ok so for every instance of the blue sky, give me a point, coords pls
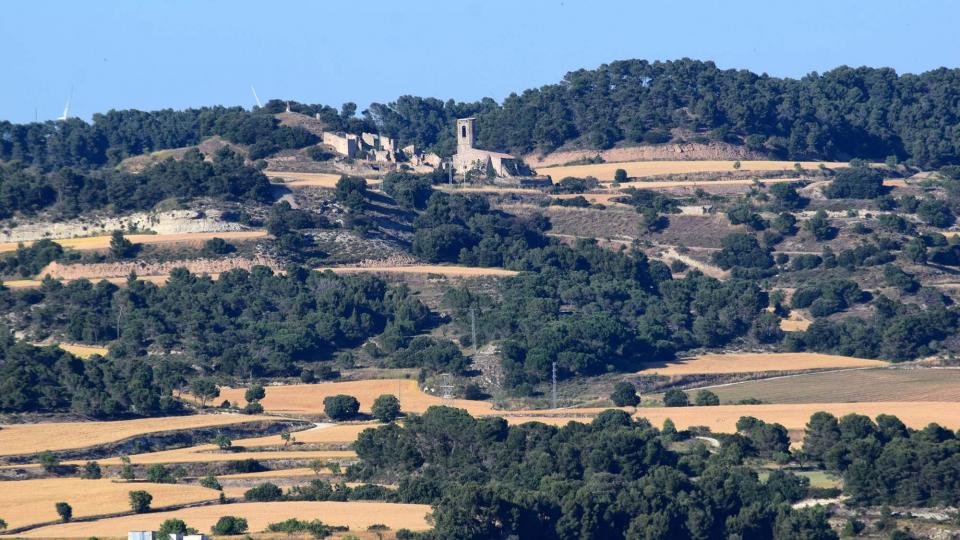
(150, 55)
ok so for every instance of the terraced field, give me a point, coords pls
(850, 386)
(308, 398)
(443, 270)
(640, 169)
(303, 179)
(93, 243)
(757, 362)
(18, 439)
(355, 514)
(28, 502)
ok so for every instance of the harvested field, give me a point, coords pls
(308, 398)
(304, 179)
(118, 281)
(640, 169)
(723, 418)
(208, 453)
(27, 502)
(18, 439)
(443, 270)
(850, 386)
(284, 473)
(93, 243)
(82, 351)
(355, 514)
(795, 323)
(757, 362)
(322, 434)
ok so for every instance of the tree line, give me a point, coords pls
(845, 112)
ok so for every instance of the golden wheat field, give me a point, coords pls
(79, 350)
(640, 169)
(443, 270)
(27, 502)
(308, 398)
(757, 362)
(304, 179)
(723, 418)
(355, 514)
(18, 439)
(103, 242)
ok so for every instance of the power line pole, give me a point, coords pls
(473, 330)
(554, 385)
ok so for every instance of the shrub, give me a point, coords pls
(210, 482)
(229, 526)
(742, 250)
(174, 526)
(341, 407)
(217, 246)
(706, 398)
(386, 408)
(140, 501)
(625, 395)
(620, 176)
(91, 471)
(472, 391)
(49, 461)
(253, 408)
(855, 183)
(159, 474)
(246, 466)
(819, 226)
(676, 398)
(254, 393)
(264, 492)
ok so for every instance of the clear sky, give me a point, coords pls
(178, 53)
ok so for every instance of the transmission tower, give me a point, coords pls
(446, 387)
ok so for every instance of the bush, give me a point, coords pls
(264, 492)
(253, 408)
(855, 183)
(676, 398)
(159, 474)
(217, 246)
(91, 471)
(351, 191)
(254, 393)
(229, 526)
(620, 176)
(819, 226)
(386, 408)
(341, 407)
(210, 482)
(935, 213)
(140, 501)
(174, 526)
(742, 250)
(249, 465)
(472, 391)
(706, 398)
(625, 395)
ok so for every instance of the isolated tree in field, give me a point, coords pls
(120, 247)
(174, 526)
(620, 176)
(3, 525)
(676, 398)
(91, 471)
(64, 510)
(210, 482)
(264, 492)
(158, 473)
(386, 408)
(140, 501)
(127, 472)
(204, 389)
(254, 393)
(706, 398)
(625, 395)
(341, 407)
(217, 246)
(229, 525)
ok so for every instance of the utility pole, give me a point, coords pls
(554, 385)
(473, 330)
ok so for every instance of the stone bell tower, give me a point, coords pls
(464, 134)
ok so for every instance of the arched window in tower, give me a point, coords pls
(463, 132)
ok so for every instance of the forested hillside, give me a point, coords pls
(843, 113)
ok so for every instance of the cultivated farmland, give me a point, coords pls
(18, 439)
(850, 386)
(640, 169)
(93, 243)
(355, 514)
(443, 270)
(27, 502)
(306, 179)
(757, 362)
(308, 398)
